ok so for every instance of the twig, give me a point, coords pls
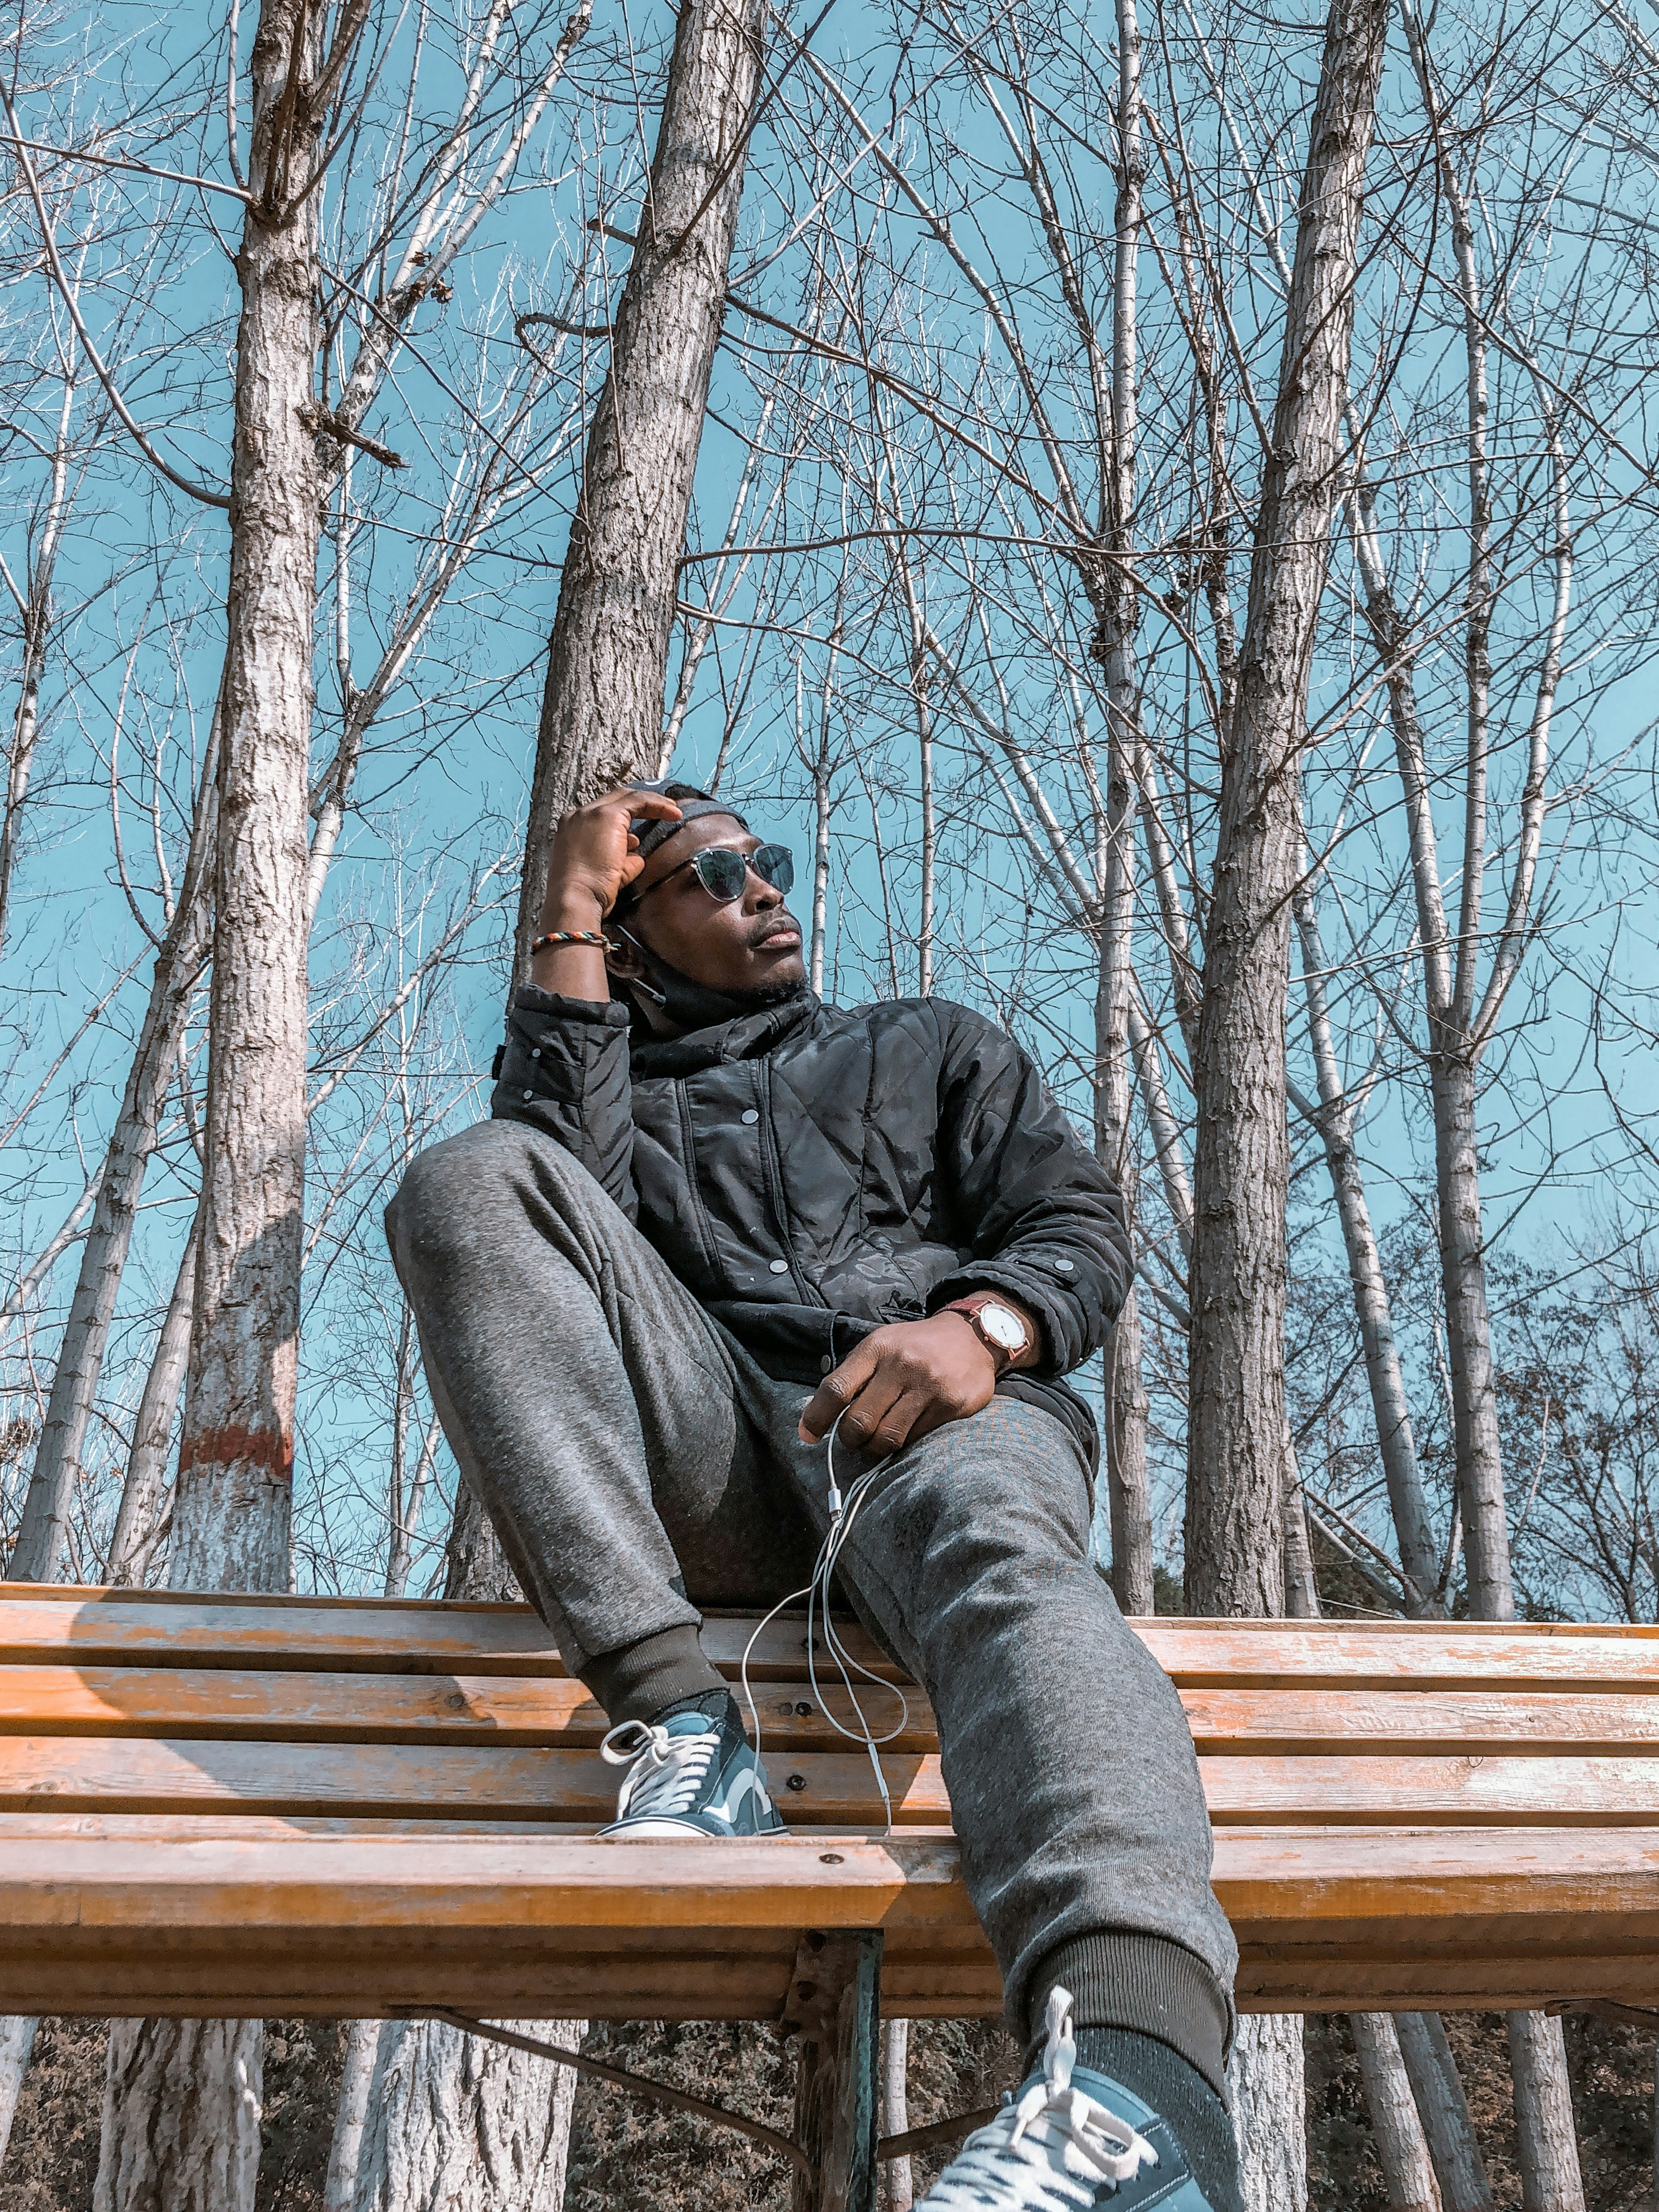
(220, 500)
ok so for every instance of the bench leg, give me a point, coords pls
(836, 2008)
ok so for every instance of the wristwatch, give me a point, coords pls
(1005, 1334)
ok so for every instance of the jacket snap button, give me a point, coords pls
(826, 1365)
(529, 1094)
(1062, 1266)
(751, 1118)
(780, 1267)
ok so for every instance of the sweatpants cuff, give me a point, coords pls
(1120, 1979)
(635, 1682)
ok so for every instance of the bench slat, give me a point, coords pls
(411, 1782)
(511, 1925)
(499, 1709)
(238, 1702)
(149, 1628)
(61, 1624)
(551, 1710)
(1300, 1723)
(415, 1782)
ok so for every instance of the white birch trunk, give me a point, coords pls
(1266, 2078)
(1402, 2146)
(1117, 615)
(602, 712)
(1301, 1581)
(1438, 2089)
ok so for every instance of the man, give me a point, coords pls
(713, 1221)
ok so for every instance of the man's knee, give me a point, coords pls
(1013, 1468)
(449, 1191)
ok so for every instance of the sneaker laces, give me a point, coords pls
(666, 1771)
(1049, 2149)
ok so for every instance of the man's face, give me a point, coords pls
(743, 944)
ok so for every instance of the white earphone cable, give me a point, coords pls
(843, 1514)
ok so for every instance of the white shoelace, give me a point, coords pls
(1050, 2151)
(666, 1771)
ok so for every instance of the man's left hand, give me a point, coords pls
(902, 1382)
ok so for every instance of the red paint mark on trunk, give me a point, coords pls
(239, 1447)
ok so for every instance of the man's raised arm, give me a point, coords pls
(565, 1064)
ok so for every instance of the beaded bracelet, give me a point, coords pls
(572, 936)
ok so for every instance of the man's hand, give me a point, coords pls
(901, 1384)
(594, 858)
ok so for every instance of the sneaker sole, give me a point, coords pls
(659, 1832)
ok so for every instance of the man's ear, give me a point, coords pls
(625, 963)
(622, 960)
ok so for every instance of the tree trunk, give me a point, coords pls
(235, 1462)
(17, 2044)
(1469, 1332)
(139, 1520)
(1236, 1424)
(1438, 2090)
(362, 2049)
(1266, 2076)
(43, 1535)
(1402, 2146)
(449, 2124)
(602, 711)
(183, 2101)
(181, 2104)
(1127, 1410)
(1129, 1494)
(455, 2124)
(896, 2109)
(1550, 2177)
(1301, 1579)
(1390, 1407)
(47, 533)
(1236, 1461)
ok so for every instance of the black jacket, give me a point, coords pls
(809, 1173)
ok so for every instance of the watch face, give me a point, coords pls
(1003, 1328)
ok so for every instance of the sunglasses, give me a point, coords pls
(723, 872)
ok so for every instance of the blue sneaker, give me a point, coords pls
(688, 1776)
(1070, 2141)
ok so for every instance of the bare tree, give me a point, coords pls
(602, 712)
(1235, 1441)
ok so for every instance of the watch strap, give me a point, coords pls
(971, 1308)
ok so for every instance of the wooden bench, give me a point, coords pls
(248, 1806)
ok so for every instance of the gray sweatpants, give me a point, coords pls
(637, 1462)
